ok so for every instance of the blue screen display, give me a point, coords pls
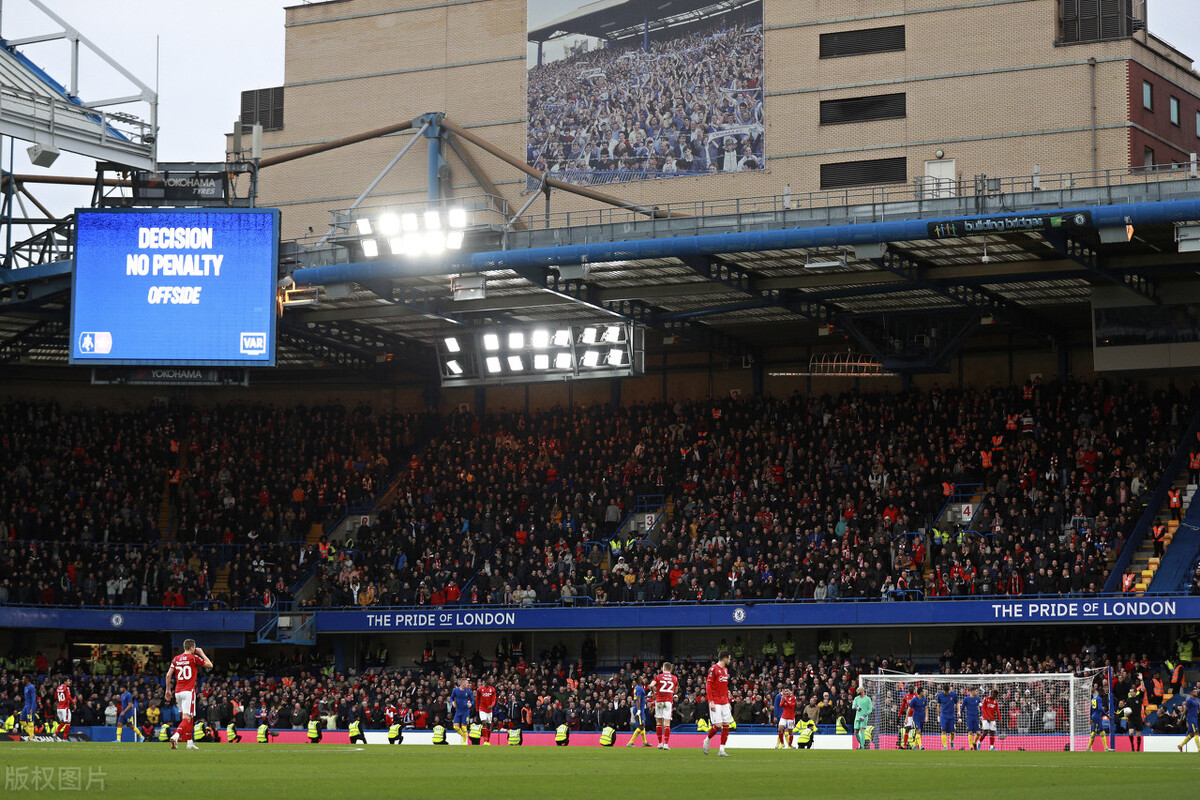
(175, 287)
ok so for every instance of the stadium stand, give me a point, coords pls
(147, 506)
(551, 688)
(753, 515)
(797, 498)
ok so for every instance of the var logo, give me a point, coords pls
(254, 344)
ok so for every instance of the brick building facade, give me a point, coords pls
(919, 92)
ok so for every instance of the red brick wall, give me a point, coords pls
(1180, 140)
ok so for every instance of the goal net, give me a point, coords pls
(1043, 711)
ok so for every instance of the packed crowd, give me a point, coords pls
(84, 475)
(543, 690)
(686, 105)
(809, 498)
(802, 498)
(1066, 480)
(253, 472)
(167, 574)
(84, 490)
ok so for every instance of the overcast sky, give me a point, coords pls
(211, 50)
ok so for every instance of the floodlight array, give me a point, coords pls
(412, 235)
(540, 352)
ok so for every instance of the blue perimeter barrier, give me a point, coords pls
(804, 614)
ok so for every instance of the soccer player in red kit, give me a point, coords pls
(906, 718)
(787, 716)
(182, 673)
(990, 711)
(720, 713)
(665, 686)
(65, 703)
(485, 701)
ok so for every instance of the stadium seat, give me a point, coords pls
(1140, 587)
(1147, 576)
(1172, 526)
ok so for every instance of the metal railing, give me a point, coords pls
(586, 600)
(965, 193)
(482, 209)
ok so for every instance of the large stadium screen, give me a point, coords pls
(175, 287)
(627, 91)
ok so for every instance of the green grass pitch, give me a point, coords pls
(298, 771)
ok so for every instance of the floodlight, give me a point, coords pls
(562, 361)
(409, 222)
(493, 364)
(433, 220)
(454, 240)
(540, 339)
(389, 224)
(370, 248)
(364, 226)
(515, 363)
(562, 337)
(454, 367)
(612, 334)
(591, 358)
(452, 344)
(516, 340)
(397, 245)
(615, 357)
(435, 242)
(491, 341)
(589, 335)
(414, 244)
(541, 361)
(457, 218)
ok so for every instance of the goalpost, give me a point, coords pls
(1040, 711)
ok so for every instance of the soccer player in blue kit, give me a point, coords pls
(640, 712)
(1097, 716)
(918, 704)
(970, 709)
(947, 700)
(463, 699)
(30, 708)
(1192, 706)
(128, 716)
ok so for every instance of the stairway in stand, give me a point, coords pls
(164, 512)
(221, 582)
(168, 525)
(1144, 564)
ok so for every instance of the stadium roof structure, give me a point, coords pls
(37, 108)
(604, 18)
(905, 274)
(902, 280)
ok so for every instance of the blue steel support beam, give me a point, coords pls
(433, 134)
(909, 360)
(640, 312)
(914, 270)
(1165, 211)
(1086, 255)
(711, 312)
(740, 280)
